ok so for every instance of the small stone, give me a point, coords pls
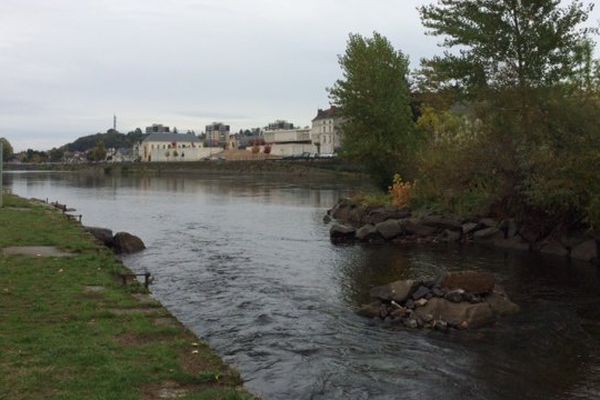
(438, 292)
(464, 325)
(421, 302)
(410, 304)
(420, 293)
(427, 318)
(441, 326)
(455, 296)
(383, 311)
(411, 323)
(399, 313)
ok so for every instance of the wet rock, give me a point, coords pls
(390, 229)
(529, 234)
(427, 318)
(411, 323)
(451, 236)
(501, 305)
(487, 234)
(438, 292)
(586, 251)
(342, 233)
(327, 219)
(511, 228)
(421, 292)
(367, 233)
(383, 311)
(410, 304)
(399, 313)
(440, 325)
(489, 222)
(455, 296)
(515, 243)
(553, 247)
(103, 235)
(126, 243)
(470, 281)
(421, 303)
(397, 291)
(471, 315)
(470, 227)
(413, 227)
(442, 222)
(370, 310)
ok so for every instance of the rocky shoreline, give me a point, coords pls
(355, 223)
(457, 300)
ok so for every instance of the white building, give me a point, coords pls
(289, 142)
(217, 134)
(166, 147)
(326, 134)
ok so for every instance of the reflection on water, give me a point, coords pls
(247, 265)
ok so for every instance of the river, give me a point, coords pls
(246, 264)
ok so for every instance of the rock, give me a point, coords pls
(470, 227)
(126, 243)
(327, 219)
(103, 235)
(513, 243)
(427, 318)
(342, 233)
(410, 304)
(512, 229)
(399, 313)
(411, 323)
(367, 233)
(470, 281)
(529, 234)
(586, 251)
(501, 305)
(487, 234)
(421, 302)
(438, 292)
(489, 222)
(442, 222)
(455, 296)
(440, 325)
(397, 291)
(451, 236)
(421, 292)
(370, 310)
(415, 228)
(465, 314)
(383, 311)
(553, 247)
(383, 214)
(390, 229)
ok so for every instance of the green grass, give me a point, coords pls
(58, 341)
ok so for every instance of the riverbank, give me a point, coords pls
(314, 169)
(70, 330)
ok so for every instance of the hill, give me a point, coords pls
(110, 139)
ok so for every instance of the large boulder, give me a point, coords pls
(103, 235)
(382, 214)
(488, 234)
(126, 243)
(415, 227)
(501, 305)
(397, 291)
(367, 233)
(342, 233)
(390, 229)
(470, 281)
(553, 248)
(586, 251)
(464, 315)
(442, 222)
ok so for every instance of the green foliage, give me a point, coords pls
(56, 155)
(7, 149)
(374, 99)
(98, 153)
(504, 43)
(110, 139)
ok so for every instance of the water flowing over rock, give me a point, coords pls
(126, 243)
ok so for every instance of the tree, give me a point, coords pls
(56, 155)
(374, 99)
(505, 43)
(98, 153)
(7, 150)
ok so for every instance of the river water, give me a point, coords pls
(246, 264)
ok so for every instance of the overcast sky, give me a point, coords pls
(67, 65)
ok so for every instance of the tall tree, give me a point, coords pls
(374, 99)
(505, 43)
(7, 150)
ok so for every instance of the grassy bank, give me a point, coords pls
(69, 330)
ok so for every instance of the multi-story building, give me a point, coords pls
(289, 142)
(279, 124)
(326, 134)
(163, 147)
(158, 128)
(217, 134)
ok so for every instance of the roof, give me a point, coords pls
(172, 137)
(326, 114)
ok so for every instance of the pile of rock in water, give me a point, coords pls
(456, 300)
(357, 223)
(120, 243)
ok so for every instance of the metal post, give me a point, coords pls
(1, 170)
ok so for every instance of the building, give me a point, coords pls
(158, 128)
(217, 134)
(166, 147)
(289, 142)
(280, 125)
(326, 134)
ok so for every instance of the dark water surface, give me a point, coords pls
(247, 265)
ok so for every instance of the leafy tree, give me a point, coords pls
(505, 43)
(374, 99)
(7, 150)
(56, 155)
(98, 153)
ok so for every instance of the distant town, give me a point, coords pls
(161, 143)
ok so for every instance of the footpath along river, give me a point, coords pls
(246, 263)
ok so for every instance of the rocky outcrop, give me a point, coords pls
(357, 223)
(457, 300)
(126, 243)
(103, 235)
